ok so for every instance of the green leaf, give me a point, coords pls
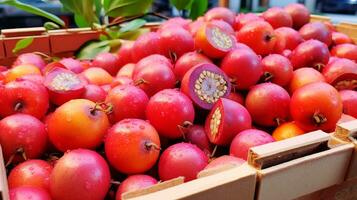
(33, 10)
(182, 4)
(125, 8)
(93, 48)
(198, 8)
(84, 11)
(133, 25)
(103, 37)
(22, 44)
(133, 35)
(51, 26)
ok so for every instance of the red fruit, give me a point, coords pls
(243, 141)
(345, 51)
(225, 160)
(278, 17)
(287, 130)
(318, 31)
(311, 53)
(243, 19)
(106, 88)
(107, 61)
(341, 73)
(223, 26)
(23, 97)
(286, 53)
(243, 68)
(205, 84)
(52, 65)
(30, 58)
(173, 107)
(220, 13)
(188, 61)
(299, 13)
(182, 159)
(237, 97)
(36, 78)
(79, 123)
(304, 76)
(127, 70)
(72, 64)
(63, 85)
(154, 59)
(340, 38)
(22, 137)
(214, 41)
(135, 141)
(128, 101)
(291, 37)
(80, 174)
(121, 80)
(196, 135)
(277, 69)
(154, 77)
(147, 44)
(259, 36)
(177, 22)
(94, 93)
(134, 182)
(19, 71)
(349, 100)
(316, 106)
(195, 25)
(31, 173)
(125, 54)
(28, 193)
(268, 104)
(97, 76)
(225, 120)
(170, 38)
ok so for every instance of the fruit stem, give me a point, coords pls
(18, 151)
(214, 151)
(113, 182)
(140, 81)
(319, 118)
(47, 57)
(102, 106)
(268, 37)
(173, 56)
(267, 76)
(278, 121)
(185, 125)
(150, 145)
(319, 67)
(18, 106)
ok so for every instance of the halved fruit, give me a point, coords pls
(205, 84)
(226, 119)
(63, 85)
(341, 73)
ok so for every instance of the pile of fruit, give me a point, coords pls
(190, 96)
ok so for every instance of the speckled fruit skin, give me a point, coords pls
(247, 139)
(299, 14)
(134, 182)
(235, 118)
(278, 17)
(182, 159)
(147, 44)
(196, 135)
(345, 51)
(220, 13)
(92, 176)
(291, 37)
(225, 160)
(277, 69)
(172, 107)
(28, 193)
(318, 31)
(349, 100)
(107, 61)
(72, 64)
(94, 93)
(30, 58)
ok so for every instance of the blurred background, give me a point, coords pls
(338, 10)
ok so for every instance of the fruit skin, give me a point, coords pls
(341, 38)
(287, 130)
(147, 44)
(299, 14)
(247, 139)
(243, 19)
(94, 93)
(76, 124)
(318, 31)
(278, 17)
(91, 172)
(126, 70)
(237, 97)
(304, 76)
(220, 13)
(170, 38)
(107, 61)
(182, 159)
(24, 97)
(311, 53)
(316, 106)
(124, 54)
(336, 70)
(225, 160)
(31, 173)
(172, 107)
(177, 22)
(97, 76)
(196, 135)
(235, 118)
(345, 51)
(121, 80)
(22, 133)
(72, 64)
(28, 193)
(349, 100)
(259, 36)
(128, 101)
(292, 37)
(243, 67)
(277, 69)
(204, 41)
(19, 71)
(224, 26)
(268, 104)
(188, 61)
(135, 141)
(30, 58)
(134, 182)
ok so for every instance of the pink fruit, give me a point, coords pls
(349, 100)
(341, 73)
(196, 135)
(277, 69)
(340, 38)
(299, 14)
(107, 61)
(94, 93)
(225, 160)
(127, 70)
(345, 51)
(243, 19)
(30, 58)
(291, 37)
(121, 80)
(124, 54)
(134, 182)
(147, 44)
(188, 61)
(317, 31)
(220, 13)
(277, 17)
(247, 139)
(28, 193)
(72, 64)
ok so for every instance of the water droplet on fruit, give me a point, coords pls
(142, 127)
